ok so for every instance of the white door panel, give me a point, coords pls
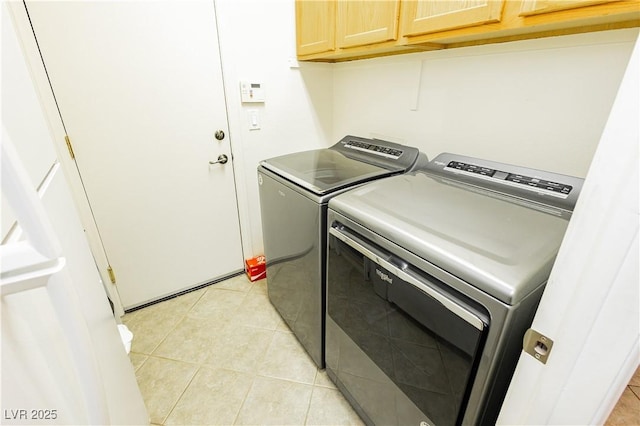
(21, 116)
(140, 92)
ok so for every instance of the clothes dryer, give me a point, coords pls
(433, 279)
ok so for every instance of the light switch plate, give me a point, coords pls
(254, 119)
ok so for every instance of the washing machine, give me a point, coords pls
(433, 278)
(294, 192)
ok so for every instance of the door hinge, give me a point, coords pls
(112, 275)
(69, 147)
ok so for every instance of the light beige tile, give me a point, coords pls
(328, 407)
(240, 348)
(137, 360)
(635, 380)
(161, 383)
(227, 337)
(214, 397)
(259, 286)
(322, 379)
(626, 411)
(237, 283)
(257, 311)
(218, 304)
(183, 303)
(286, 359)
(284, 328)
(191, 340)
(275, 402)
(151, 325)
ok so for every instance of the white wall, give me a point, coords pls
(257, 41)
(538, 103)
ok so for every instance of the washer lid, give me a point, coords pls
(324, 170)
(502, 245)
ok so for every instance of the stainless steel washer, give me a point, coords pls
(294, 191)
(433, 278)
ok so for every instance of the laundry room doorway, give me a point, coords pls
(139, 88)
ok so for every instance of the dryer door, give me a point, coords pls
(402, 345)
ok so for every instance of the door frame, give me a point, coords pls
(38, 72)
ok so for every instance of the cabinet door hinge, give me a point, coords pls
(69, 147)
(112, 275)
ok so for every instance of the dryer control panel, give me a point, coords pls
(532, 184)
(528, 182)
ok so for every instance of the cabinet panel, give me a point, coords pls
(366, 22)
(428, 16)
(534, 7)
(340, 30)
(315, 29)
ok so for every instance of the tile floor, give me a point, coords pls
(627, 410)
(223, 355)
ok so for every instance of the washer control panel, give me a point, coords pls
(372, 148)
(386, 154)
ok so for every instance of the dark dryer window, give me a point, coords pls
(425, 349)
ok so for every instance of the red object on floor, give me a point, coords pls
(256, 268)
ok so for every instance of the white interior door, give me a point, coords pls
(139, 88)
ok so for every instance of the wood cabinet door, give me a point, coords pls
(534, 7)
(315, 26)
(428, 16)
(366, 22)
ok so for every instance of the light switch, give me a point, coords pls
(254, 122)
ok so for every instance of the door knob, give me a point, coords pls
(219, 135)
(222, 159)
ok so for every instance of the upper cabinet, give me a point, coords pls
(335, 30)
(338, 30)
(532, 7)
(315, 26)
(359, 23)
(429, 16)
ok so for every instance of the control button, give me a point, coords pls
(374, 149)
(540, 183)
(471, 168)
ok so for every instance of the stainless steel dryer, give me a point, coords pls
(294, 191)
(433, 279)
